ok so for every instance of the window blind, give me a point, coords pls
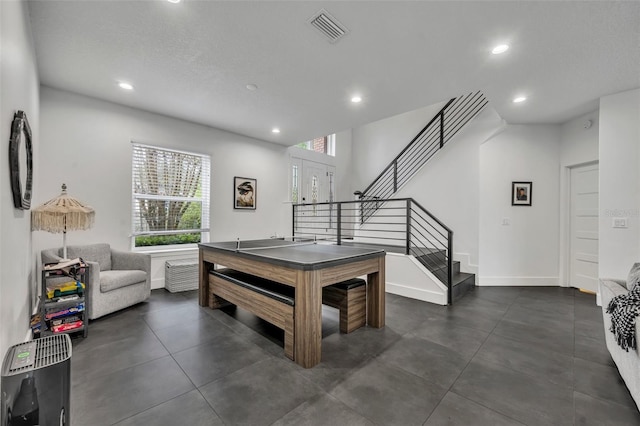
(170, 195)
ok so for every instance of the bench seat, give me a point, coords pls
(350, 297)
(271, 301)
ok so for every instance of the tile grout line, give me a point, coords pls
(181, 369)
(467, 366)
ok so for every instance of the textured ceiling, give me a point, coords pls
(193, 60)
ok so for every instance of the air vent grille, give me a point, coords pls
(329, 26)
(52, 350)
(48, 351)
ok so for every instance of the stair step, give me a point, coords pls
(439, 268)
(434, 260)
(429, 253)
(462, 284)
(461, 277)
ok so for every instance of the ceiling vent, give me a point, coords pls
(329, 26)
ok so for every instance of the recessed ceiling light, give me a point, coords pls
(251, 86)
(125, 86)
(519, 99)
(275, 130)
(501, 48)
(356, 99)
(174, 1)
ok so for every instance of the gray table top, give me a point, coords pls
(303, 255)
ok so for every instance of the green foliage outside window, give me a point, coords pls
(164, 240)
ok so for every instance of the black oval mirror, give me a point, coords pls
(21, 153)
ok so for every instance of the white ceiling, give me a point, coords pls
(193, 60)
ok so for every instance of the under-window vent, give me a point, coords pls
(332, 29)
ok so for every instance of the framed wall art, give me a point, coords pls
(521, 193)
(244, 193)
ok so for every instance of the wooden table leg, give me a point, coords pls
(376, 296)
(203, 281)
(308, 320)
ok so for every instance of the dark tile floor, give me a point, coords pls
(500, 356)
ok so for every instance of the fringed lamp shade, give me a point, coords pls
(62, 214)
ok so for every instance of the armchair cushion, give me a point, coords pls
(126, 260)
(100, 253)
(112, 280)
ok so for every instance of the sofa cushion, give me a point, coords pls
(634, 276)
(112, 280)
(100, 253)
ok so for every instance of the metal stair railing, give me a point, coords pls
(456, 113)
(397, 224)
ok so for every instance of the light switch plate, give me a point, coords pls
(619, 222)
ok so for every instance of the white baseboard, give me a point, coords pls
(465, 263)
(416, 293)
(157, 283)
(518, 281)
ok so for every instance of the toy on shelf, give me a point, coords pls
(65, 289)
(66, 326)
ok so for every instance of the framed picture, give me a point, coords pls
(521, 193)
(244, 193)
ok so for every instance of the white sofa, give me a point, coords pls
(628, 363)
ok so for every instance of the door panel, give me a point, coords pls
(584, 228)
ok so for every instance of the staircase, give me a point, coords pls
(420, 247)
(441, 129)
(402, 225)
(461, 282)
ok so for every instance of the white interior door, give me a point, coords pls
(584, 228)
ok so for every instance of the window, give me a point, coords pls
(325, 145)
(170, 196)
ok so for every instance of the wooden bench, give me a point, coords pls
(275, 303)
(271, 301)
(350, 297)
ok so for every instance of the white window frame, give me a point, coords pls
(330, 145)
(204, 199)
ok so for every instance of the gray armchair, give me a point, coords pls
(117, 279)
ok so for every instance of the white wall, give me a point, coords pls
(619, 182)
(86, 143)
(525, 252)
(376, 144)
(344, 163)
(18, 91)
(578, 146)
